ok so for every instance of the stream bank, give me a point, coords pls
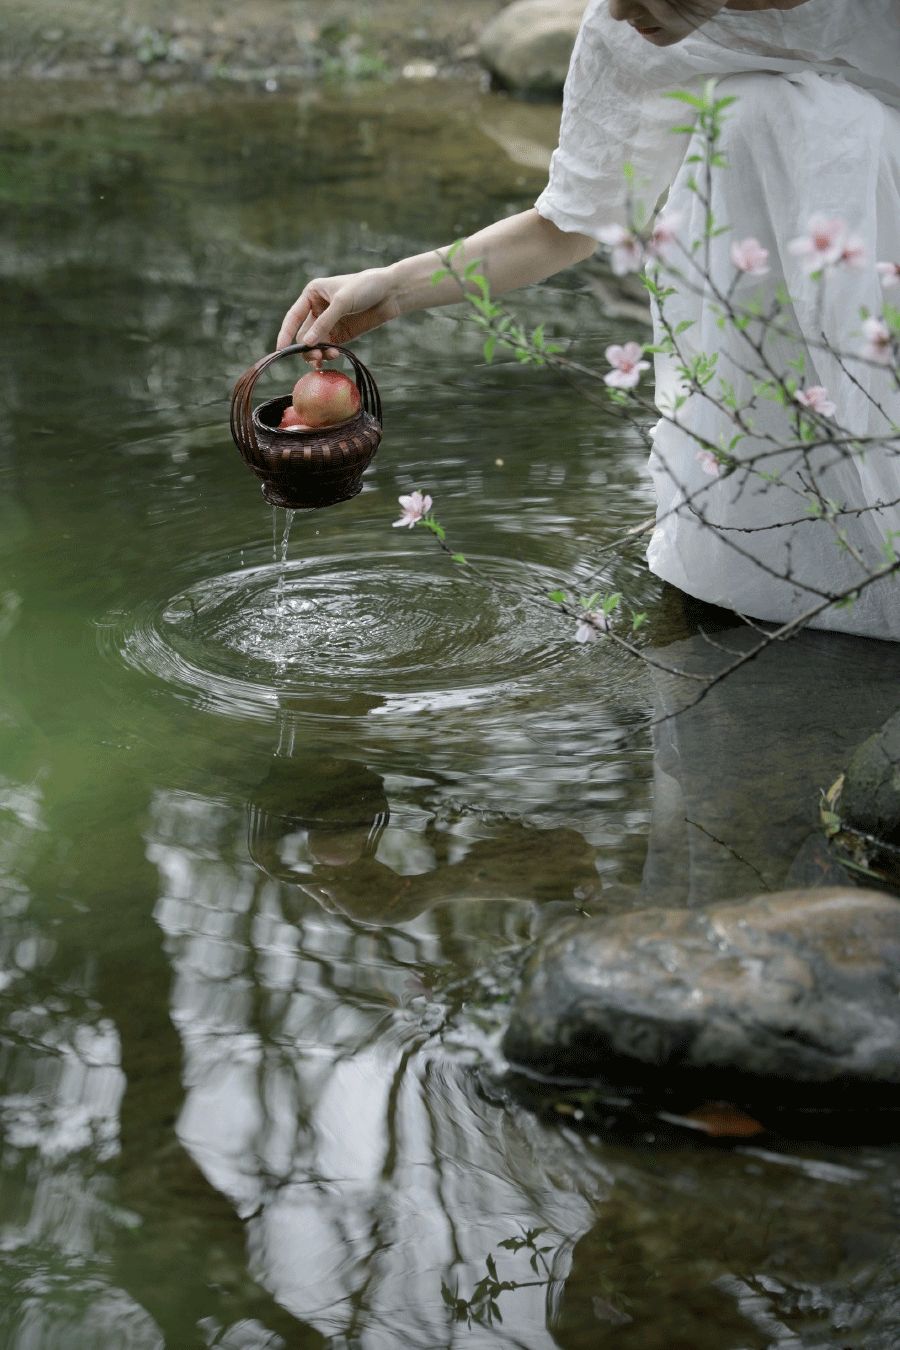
(255, 43)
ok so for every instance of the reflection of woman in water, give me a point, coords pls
(316, 821)
(815, 131)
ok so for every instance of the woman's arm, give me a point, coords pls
(516, 251)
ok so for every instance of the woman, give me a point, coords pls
(815, 130)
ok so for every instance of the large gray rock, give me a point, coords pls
(795, 994)
(527, 46)
(870, 798)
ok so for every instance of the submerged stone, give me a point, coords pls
(870, 798)
(795, 994)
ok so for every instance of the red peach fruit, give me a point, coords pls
(323, 397)
(291, 421)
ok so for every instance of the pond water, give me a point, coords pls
(269, 867)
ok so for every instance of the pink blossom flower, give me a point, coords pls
(749, 256)
(816, 399)
(822, 245)
(591, 624)
(889, 273)
(854, 251)
(626, 253)
(627, 365)
(708, 462)
(878, 341)
(415, 506)
(664, 234)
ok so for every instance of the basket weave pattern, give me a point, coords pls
(305, 468)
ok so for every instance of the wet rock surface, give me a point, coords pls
(793, 994)
(528, 45)
(870, 799)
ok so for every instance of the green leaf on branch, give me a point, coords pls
(682, 96)
(658, 292)
(485, 307)
(558, 598)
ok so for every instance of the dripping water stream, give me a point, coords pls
(281, 559)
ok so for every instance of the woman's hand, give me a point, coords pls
(338, 309)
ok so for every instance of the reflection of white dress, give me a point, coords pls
(816, 129)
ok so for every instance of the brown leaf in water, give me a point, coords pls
(720, 1120)
(723, 1120)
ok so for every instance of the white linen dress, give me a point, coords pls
(815, 130)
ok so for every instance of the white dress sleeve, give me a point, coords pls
(615, 115)
(616, 111)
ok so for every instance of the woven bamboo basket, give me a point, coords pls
(302, 469)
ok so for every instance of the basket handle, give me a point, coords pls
(242, 429)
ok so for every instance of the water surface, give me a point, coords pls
(268, 869)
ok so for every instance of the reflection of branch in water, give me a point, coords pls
(733, 851)
(205, 1250)
(482, 1306)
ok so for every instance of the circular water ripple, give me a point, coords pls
(405, 628)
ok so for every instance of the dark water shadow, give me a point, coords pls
(738, 778)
